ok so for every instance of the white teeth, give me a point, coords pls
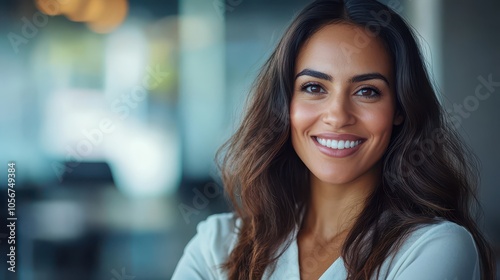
(322, 141)
(338, 144)
(341, 144)
(335, 144)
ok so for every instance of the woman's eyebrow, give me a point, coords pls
(369, 76)
(355, 79)
(315, 74)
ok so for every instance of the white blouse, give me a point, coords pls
(443, 251)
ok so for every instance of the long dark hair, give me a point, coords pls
(427, 172)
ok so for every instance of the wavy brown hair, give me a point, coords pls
(428, 171)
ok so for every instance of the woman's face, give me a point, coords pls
(343, 105)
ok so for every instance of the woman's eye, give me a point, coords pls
(368, 93)
(313, 88)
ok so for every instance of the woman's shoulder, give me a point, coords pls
(209, 248)
(217, 235)
(444, 250)
(445, 235)
(217, 228)
(447, 226)
(440, 227)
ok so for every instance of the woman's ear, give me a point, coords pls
(398, 118)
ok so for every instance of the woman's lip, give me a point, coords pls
(337, 153)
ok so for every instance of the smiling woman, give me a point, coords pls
(341, 100)
(322, 171)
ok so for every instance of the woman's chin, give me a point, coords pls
(334, 179)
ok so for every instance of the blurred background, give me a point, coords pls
(112, 112)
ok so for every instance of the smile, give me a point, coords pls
(338, 144)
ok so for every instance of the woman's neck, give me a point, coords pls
(333, 209)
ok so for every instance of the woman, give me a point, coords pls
(344, 166)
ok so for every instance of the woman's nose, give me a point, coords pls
(337, 111)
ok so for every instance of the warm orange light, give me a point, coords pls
(49, 7)
(114, 13)
(101, 16)
(56, 7)
(87, 10)
(71, 7)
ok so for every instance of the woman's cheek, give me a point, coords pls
(302, 114)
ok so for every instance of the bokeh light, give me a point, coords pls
(100, 16)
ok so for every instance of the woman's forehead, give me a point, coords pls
(340, 48)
